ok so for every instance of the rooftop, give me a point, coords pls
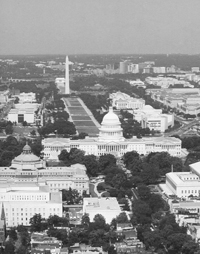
(101, 203)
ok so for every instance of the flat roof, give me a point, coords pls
(101, 204)
(175, 177)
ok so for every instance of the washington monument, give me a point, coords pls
(67, 91)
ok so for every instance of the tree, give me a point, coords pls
(9, 247)
(21, 250)
(33, 133)
(106, 160)
(143, 192)
(16, 100)
(11, 141)
(190, 247)
(9, 129)
(92, 165)
(153, 239)
(85, 221)
(57, 221)
(36, 223)
(36, 147)
(130, 157)
(6, 158)
(60, 234)
(156, 202)
(64, 155)
(124, 201)
(13, 234)
(142, 212)
(76, 156)
(24, 123)
(99, 221)
(122, 218)
(71, 196)
(82, 135)
(150, 173)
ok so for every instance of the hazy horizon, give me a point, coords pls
(95, 27)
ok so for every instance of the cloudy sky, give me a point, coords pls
(99, 26)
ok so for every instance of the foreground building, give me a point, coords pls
(22, 200)
(111, 141)
(28, 187)
(107, 207)
(183, 184)
(27, 168)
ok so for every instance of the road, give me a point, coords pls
(135, 195)
(185, 126)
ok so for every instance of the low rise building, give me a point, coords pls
(124, 101)
(159, 69)
(130, 243)
(183, 184)
(38, 240)
(26, 98)
(18, 199)
(165, 82)
(153, 118)
(4, 95)
(21, 115)
(107, 207)
(195, 69)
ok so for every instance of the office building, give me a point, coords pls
(18, 199)
(20, 115)
(124, 101)
(107, 207)
(195, 69)
(183, 184)
(159, 69)
(28, 168)
(153, 118)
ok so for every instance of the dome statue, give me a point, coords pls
(27, 160)
(110, 129)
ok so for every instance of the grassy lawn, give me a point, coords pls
(81, 118)
(92, 131)
(91, 188)
(84, 123)
(22, 131)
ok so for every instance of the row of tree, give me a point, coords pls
(157, 227)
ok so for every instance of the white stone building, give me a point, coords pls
(183, 184)
(124, 101)
(153, 118)
(111, 141)
(26, 97)
(21, 115)
(22, 200)
(28, 168)
(107, 207)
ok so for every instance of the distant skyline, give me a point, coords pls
(99, 27)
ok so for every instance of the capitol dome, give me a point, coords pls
(110, 129)
(110, 118)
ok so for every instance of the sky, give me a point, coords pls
(99, 27)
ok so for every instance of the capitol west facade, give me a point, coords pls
(111, 141)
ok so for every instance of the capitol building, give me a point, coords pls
(111, 141)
